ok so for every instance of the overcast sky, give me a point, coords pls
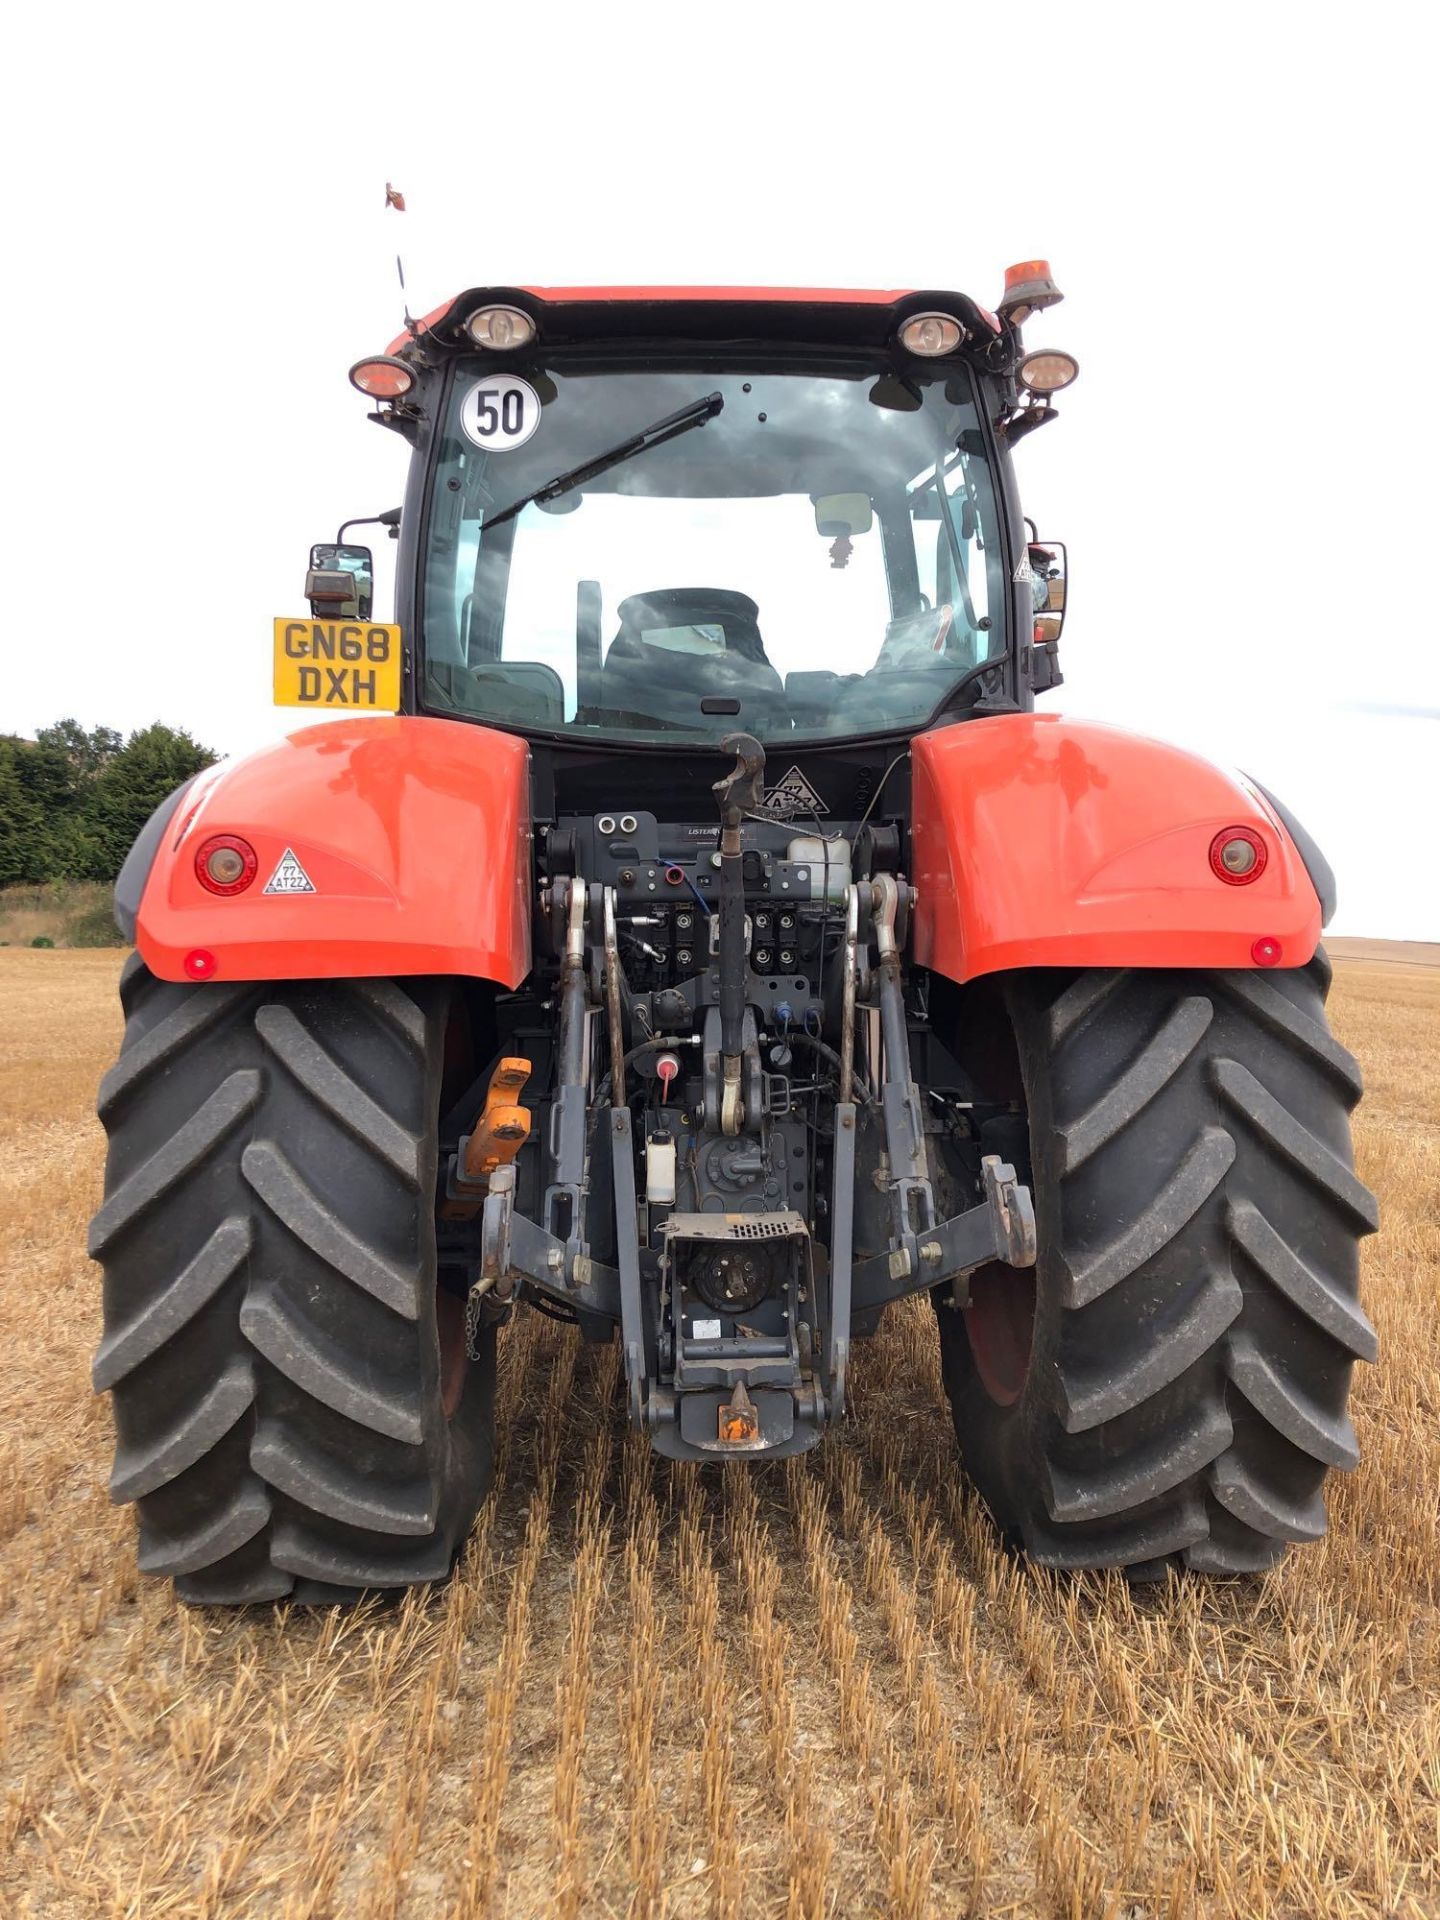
(1237, 201)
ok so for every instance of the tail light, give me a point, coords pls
(225, 864)
(1237, 856)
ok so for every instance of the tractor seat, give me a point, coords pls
(679, 645)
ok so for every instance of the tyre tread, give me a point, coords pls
(232, 1102)
(332, 1088)
(1132, 1091)
(142, 1468)
(273, 1179)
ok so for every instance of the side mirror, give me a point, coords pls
(1049, 572)
(341, 582)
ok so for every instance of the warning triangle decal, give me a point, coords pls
(793, 794)
(289, 876)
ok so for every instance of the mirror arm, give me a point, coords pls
(390, 518)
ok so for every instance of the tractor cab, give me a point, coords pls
(653, 518)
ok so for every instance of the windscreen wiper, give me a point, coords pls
(659, 431)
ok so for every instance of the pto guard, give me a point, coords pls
(414, 834)
(1045, 842)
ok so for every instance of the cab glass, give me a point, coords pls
(804, 555)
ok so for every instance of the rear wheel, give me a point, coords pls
(1169, 1383)
(294, 1410)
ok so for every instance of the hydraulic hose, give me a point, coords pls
(801, 1039)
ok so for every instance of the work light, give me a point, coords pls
(382, 378)
(1047, 371)
(501, 328)
(931, 333)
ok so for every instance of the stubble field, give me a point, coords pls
(816, 1689)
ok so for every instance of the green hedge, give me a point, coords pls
(71, 802)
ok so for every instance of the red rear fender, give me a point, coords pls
(1046, 842)
(413, 833)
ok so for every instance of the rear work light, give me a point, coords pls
(225, 864)
(382, 378)
(1047, 370)
(500, 328)
(931, 333)
(1237, 856)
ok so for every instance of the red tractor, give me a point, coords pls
(714, 948)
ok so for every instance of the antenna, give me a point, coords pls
(394, 198)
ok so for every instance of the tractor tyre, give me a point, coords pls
(1168, 1384)
(295, 1414)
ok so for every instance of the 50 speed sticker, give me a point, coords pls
(500, 413)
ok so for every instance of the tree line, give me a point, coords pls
(72, 801)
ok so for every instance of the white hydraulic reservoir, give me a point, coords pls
(660, 1169)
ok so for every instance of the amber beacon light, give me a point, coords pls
(1029, 288)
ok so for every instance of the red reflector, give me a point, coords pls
(1266, 951)
(200, 964)
(225, 864)
(1238, 856)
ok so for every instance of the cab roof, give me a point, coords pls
(842, 315)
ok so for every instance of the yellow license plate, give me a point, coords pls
(337, 664)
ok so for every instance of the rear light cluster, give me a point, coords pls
(225, 864)
(1237, 856)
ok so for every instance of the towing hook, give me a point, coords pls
(743, 788)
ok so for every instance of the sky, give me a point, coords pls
(1235, 201)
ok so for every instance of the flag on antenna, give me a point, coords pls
(394, 198)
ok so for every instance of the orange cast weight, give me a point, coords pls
(503, 1126)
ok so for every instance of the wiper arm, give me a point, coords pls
(659, 431)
